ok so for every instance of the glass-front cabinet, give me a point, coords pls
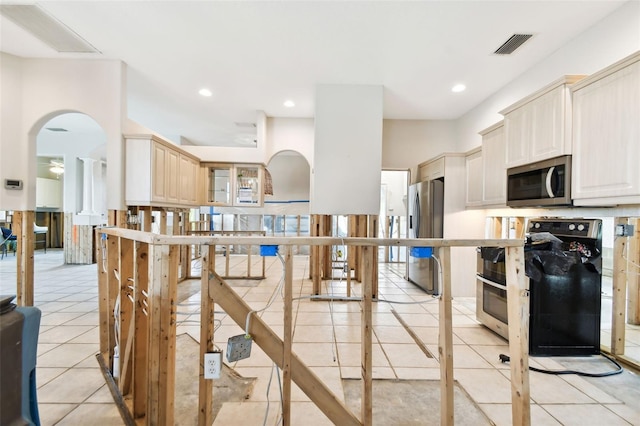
(219, 188)
(235, 184)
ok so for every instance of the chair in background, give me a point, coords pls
(7, 239)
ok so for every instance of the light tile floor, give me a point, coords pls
(71, 390)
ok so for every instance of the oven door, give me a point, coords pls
(491, 305)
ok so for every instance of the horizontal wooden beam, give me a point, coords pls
(151, 238)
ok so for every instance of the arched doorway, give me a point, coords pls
(70, 185)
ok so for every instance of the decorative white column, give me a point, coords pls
(87, 186)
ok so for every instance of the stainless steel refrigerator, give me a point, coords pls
(426, 218)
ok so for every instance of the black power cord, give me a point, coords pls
(505, 358)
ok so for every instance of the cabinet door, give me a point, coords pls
(494, 170)
(606, 131)
(518, 127)
(171, 175)
(188, 182)
(473, 166)
(548, 126)
(248, 185)
(158, 171)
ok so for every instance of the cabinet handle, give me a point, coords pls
(548, 182)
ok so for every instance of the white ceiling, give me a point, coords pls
(255, 55)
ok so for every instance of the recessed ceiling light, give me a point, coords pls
(289, 103)
(205, 92)
(458, 88)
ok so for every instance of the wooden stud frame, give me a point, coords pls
(155, 273)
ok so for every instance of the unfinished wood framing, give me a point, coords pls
(366, 348)
(619, 298)
(23, 227)
(445, 339)
(207, 303)
(152, 377)
(288, 336)
(633, 276)
(518, 318)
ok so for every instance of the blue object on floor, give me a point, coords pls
(421, 252)
(19, 327)
(268, 250)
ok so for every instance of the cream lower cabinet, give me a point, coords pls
(538, 127)
(606, 136)
(159, 173)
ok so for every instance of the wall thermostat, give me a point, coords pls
(13, 183)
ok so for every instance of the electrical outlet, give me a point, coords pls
(212, 365)
(238, 347)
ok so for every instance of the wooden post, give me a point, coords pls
(163, 221)
(23, 227)
(288, 336)
(327, 258)
(205, 392)
(103, 291)
(445, 339)
(161, 357)
(314, 258)
(519, 228)
(633, 279)
(368, 254)
(518, 316)
(141, 342)
(620, 276)
(168, 333)
(373, 233)
(127, 320)
(113, 259)
(146, 218)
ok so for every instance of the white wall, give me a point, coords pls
(43, 88)
(11, 151)
(347, 150)
(407, 143)
(610, 40)
(290, 134)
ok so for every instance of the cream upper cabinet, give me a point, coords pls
(159, 173)
(538, 127)
(432, 169)
(606, 136)
(473, 171)
(494, 172)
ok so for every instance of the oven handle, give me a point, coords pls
(492, 283)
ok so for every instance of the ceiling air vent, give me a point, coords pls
(515, 41)
(49, 30)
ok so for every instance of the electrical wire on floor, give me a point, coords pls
(505, 358)
(277, 291)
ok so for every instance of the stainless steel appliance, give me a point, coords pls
(491, 290)
(426, 219)
(563, 263)
(545, 183)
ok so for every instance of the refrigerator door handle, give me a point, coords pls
(417, 215)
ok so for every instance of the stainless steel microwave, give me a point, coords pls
(545, 183)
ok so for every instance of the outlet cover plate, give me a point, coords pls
(239, 347)
(212, 365)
